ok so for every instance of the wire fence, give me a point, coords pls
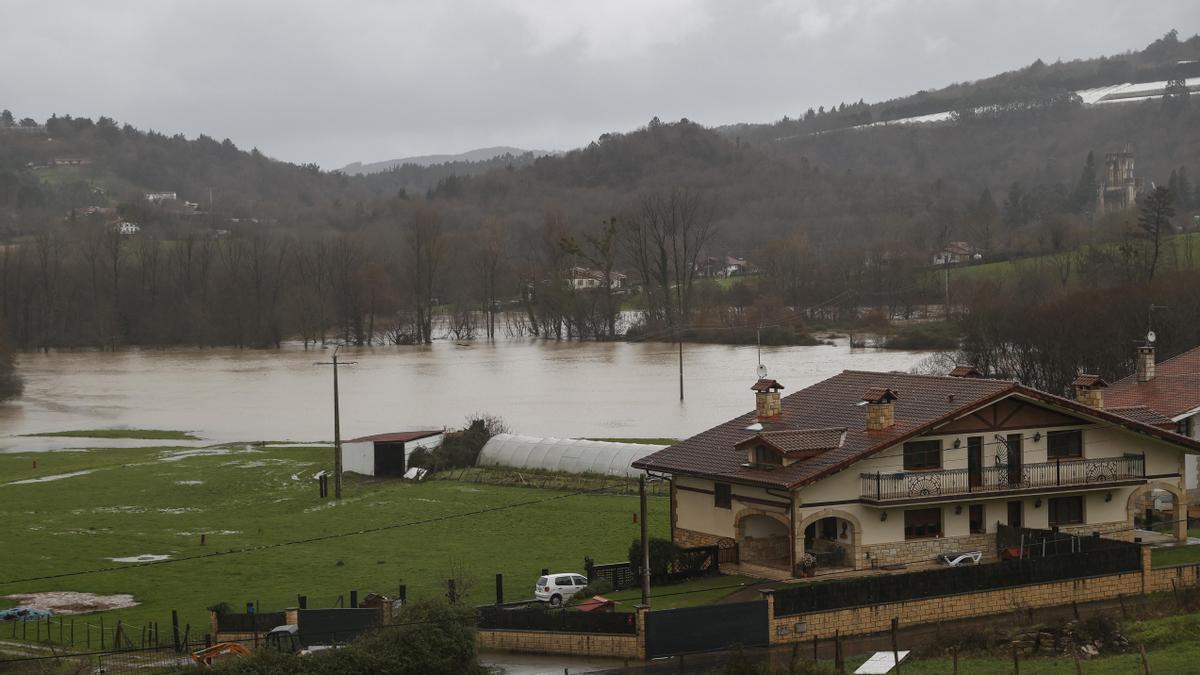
(66, 632)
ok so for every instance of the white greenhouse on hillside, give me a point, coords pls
(565, 455)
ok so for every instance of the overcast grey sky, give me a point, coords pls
(346, 80)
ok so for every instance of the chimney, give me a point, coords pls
(881, 412)
(1089, 390)
(767, 405)
(1145, 363)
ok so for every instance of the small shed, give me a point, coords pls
(567, 455)
(386, 454)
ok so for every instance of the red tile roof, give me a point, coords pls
(1145, 415)
(766, 385)
(1088, 380)
(834, 403)
(880, 394)
(1173, 391)
(793, 442)
(965, 371)
(395, 437)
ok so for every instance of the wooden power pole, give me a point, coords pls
(645, 542)
(337, 424)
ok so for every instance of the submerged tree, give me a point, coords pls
(11, 384)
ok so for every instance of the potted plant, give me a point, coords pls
(805, 565)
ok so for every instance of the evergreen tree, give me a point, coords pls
(6, 118)
(1185, 197)
(1084, 197)
(1155, 223)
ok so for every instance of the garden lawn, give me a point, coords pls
(1175, 555)
(159, 500)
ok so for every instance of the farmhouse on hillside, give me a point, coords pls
(386, 454)
(868, 469)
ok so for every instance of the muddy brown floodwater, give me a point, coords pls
(539, 388)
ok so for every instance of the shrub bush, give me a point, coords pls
(663, 554)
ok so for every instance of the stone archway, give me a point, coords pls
(1133, 506)
(764, 538)
(847, 531)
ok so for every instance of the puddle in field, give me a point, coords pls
(112, 509)
(47, 479)
(143, 558)
(189, 482)
(180, 509)
(220, 532)
(176, 455)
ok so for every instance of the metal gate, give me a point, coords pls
(707, 628)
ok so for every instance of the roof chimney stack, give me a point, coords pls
(1145, 363)
(1089, 390)
(881, 412)
(767, 405)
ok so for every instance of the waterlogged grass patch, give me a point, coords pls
(139, 434)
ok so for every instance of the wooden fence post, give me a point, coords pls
(1145, 663)
(814, 647)
(895, 651)
(1016, 661)
(954, 656)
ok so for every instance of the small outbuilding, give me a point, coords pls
(386, 454)
(566, 455)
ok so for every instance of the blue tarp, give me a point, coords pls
(24, 614)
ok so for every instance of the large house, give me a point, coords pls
(867, 469)
(1171, 389)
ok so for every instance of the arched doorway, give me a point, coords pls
(834, 537)
(763, 540)
(1158, 508)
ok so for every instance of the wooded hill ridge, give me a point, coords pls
(253, 250)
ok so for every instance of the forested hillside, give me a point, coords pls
(841, 225)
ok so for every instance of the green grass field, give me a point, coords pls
(140, 434)
(159, 500)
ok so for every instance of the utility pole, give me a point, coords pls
(337, 424)
(681, 369)
(645, 542)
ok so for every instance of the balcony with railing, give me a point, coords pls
(1058, 475)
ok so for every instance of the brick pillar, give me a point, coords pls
(1145, 364)
(641, 610)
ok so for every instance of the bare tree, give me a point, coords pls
(1155, 222)
(426, 248)
(664, 239)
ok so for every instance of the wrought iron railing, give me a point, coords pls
(899, 485)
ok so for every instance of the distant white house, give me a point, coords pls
(580, 278)
(956, 252)
(160, 196)
(386, 454)
(127, 228)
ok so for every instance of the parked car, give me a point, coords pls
(559, 587)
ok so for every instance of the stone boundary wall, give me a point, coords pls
(613, 645)
(557, 642)
(877, 618)
(1172, 577)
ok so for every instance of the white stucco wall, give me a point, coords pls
(359, 458)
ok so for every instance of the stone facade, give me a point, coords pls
(922, 550)
(767, 405)
(764, 550)
(1090, 396)
(691, 538)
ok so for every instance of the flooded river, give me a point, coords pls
(539, 388)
